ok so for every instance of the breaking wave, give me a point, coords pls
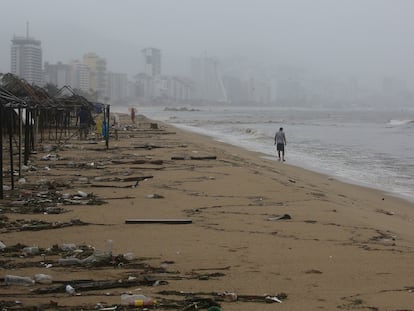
(396, 122)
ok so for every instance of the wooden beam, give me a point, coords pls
(158, 221)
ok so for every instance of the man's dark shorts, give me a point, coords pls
(280, 147)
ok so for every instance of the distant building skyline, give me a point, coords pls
(98, 74)
(212, 81)
(117, 86)
(152, 61)
(205, 72)
(57, 74)
(80, 76)
(26, 59)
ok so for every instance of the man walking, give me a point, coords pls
(280, 142)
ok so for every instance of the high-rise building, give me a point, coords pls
(208, 81)
(57, 74)
(117, 89)
(152, 61)
(175, 89)
(26, 59)
(98, 74)
(80, 76)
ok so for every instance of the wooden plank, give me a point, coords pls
(203, 157)
(158, 221)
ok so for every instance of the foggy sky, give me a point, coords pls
(355, 38)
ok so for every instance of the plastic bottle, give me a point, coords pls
(137, 300)
(230, 296)
(70, 290)
(31, 250)
(129, 256)
(71, 261)
(68, 247)
(18, 280)
(144, 303)
(108, 246)
(43, 278)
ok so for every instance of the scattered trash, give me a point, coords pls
(274, 298)
(18, 280)
(155, 196)
(280, 217)
(219, 297)
(50, 157)
(229, 296)
(71, 261)
(31, 250)
(82, 194)
(2, 245)
(193, 158)
(43, 278)
(83, 180)
(313, 271)
(65, 196)
(203, 157)
(70, 290)
(179, 158)
(108, 247)
(385, 212)
(129, 256)
(54, 210)
(68, 247)
(137, 300)
(48, 148)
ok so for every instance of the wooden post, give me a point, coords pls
(32, 134)
(9, 122)
(1, 152)
(107, 127)
(26, 138)
(20, 140)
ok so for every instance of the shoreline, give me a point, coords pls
(346, 180)
(342, 246)
(401, 196)
(388, 178)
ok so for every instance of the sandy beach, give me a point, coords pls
(259, 228)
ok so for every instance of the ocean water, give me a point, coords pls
(364, 147)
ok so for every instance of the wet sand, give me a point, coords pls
(259, 227)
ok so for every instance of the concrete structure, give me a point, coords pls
(176, 89)
(80, 76)
(259, 91)
(152, 61)
(237, 90)
(26, 59)
(57, 74)
(97, 66)
(206, 75)
(117, 86)
(147, 87)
